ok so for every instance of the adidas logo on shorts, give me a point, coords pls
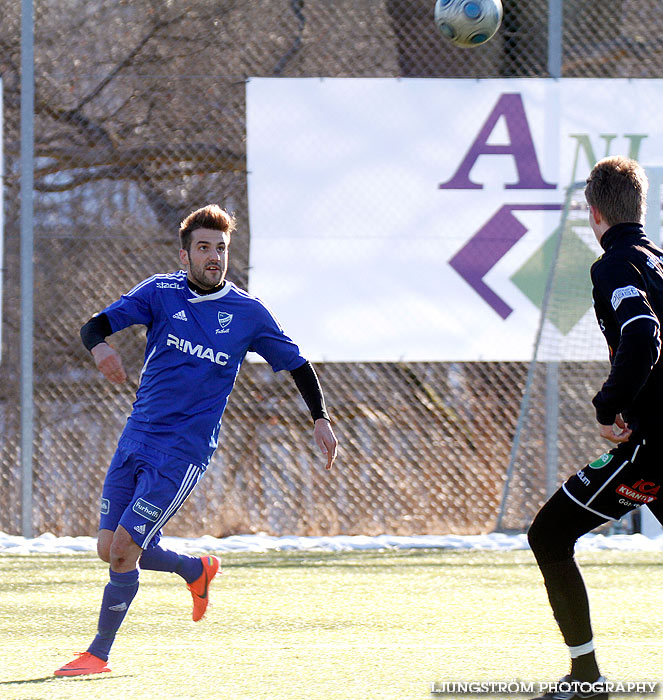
(180, 316)
(140, 528)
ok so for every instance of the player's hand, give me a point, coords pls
(109, 363)
(617, 432)
(324, 436)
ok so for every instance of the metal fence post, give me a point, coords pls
(27, 185)
(555, 38)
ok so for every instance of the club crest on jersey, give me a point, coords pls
(224, 321)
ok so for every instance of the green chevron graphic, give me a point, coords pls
(571, 294)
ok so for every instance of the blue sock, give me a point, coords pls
(158, 559)
(118, 594)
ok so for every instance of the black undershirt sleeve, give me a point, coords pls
(95, 331)
(98, 328)
(309, 387)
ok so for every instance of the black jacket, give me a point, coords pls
(628, 301)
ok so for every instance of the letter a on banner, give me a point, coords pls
(520, 146)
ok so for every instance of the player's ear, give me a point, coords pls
(595, 214)
(184, 257)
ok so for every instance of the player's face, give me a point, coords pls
(206, 262)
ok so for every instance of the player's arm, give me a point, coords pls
(308, 384)
(271, 343)
(619, 290)
(107, 359)
(132, 308)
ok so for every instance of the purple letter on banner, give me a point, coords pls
(520, 146)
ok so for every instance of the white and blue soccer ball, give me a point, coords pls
(468, 23)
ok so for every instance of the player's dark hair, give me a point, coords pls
(617, 187)
(212, 217)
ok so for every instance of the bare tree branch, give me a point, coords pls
(157, 154)
(126, 62)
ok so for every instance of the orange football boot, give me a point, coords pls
(200, 587)
(83, 665)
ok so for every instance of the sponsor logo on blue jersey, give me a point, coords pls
(169, 285)
(187, 347)
(147, 510)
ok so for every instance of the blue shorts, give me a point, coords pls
(143, 489)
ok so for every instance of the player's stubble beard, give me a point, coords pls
(207, 279)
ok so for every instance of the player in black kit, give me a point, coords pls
(628, 299)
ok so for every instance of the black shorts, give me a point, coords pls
(627, 477)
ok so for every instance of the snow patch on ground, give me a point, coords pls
(50, 544)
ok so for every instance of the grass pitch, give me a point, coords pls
(311, 626)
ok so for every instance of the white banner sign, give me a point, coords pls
(412, 219)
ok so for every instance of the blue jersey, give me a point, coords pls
(195, 347)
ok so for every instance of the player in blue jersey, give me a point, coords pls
(199, 328)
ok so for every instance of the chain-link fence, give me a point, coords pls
(554, 435)
(140, 116)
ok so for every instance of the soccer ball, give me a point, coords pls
(468, 23)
